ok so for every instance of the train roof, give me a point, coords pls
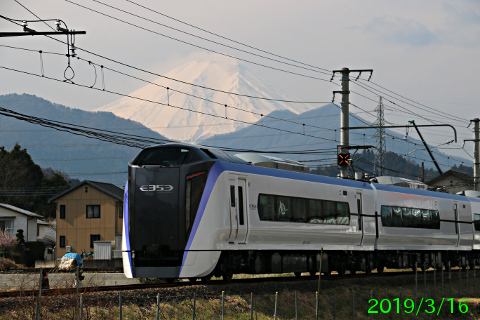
(196, 153)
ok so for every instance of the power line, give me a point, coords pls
(197, 46)
(208, 40)
(229, 39)
(164, 104)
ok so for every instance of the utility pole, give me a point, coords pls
(476, 154)
(379, 162)
(343, 148)
(345, 118)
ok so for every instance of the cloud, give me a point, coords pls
(390, 29)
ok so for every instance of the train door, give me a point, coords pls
(233, 210)
(360, 227)
(242, 211)
(238, 210)
(457, 227)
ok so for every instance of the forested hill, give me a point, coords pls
(397, 166)
(80, 157)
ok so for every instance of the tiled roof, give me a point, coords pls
(107, 188)
(454, 173)
(22, 211)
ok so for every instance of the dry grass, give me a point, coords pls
(7, 264)
(336, 292)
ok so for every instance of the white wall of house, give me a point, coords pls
(21, 221)
(32, 229)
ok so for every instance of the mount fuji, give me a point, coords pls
(183, 117)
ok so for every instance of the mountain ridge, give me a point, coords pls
(207, 116)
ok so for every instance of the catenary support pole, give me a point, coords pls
(345, 117)
(476, 153)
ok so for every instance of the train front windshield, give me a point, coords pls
(162, 157)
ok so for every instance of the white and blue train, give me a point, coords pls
(194, 212)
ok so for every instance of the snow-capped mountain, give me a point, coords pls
(189, 119)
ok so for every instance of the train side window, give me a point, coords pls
(397, 217)
(426, 219)
(299, 209)
(407, 217)
(435, 219)
(329, 211)
(232, 196)
(359, 210)
(315, 211)
(240, 205)
(266, 207)
(343, 214)
(455, 212)
(386, 216)
(284, 209)
(476, 221)
(416, 218)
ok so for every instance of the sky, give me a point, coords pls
(427, 51)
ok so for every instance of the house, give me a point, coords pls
(90, 215)
(48, 236)
(34, 230)
(453, 181)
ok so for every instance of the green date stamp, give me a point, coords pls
(408, 306)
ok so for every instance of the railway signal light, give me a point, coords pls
(343, 160)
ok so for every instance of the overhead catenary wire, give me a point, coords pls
(229, 39)
(160, 103)
(209, 40)
(197, 46)
(234, 41)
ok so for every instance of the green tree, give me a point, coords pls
(23, 183)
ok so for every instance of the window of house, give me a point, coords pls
(62, 241)
(93, 211)
(93, 238)
(120, 211)
(7, 226)
(62, 211)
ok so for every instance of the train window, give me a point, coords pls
(266, 207)
(476, 221)
(407, 217)
(194, 187)
(343, 216)
(435, 219)
(232, 196)
(416, 218)
(281, 208)
(397, 217)
(284, 208)
(315, 211)
(386, 216)
(410, 217)
(426, 219)
(329, 210)
(299, 210)
(240, 205)
(162, 156)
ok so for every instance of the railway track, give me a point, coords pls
(333, 277)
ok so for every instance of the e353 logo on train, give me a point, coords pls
(157, 187)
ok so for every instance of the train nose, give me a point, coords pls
(154, 219)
